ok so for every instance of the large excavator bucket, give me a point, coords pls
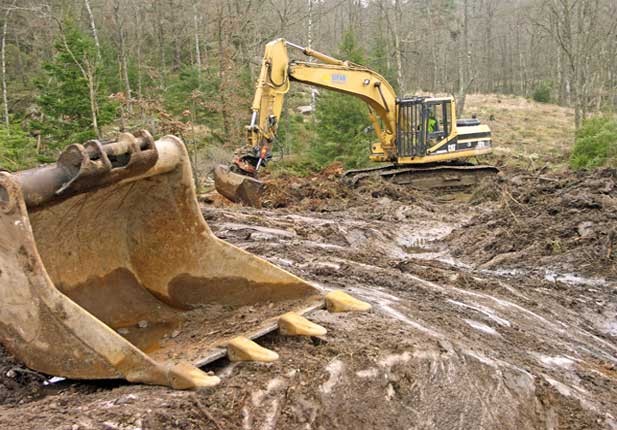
(108, 270)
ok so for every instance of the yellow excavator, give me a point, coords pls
(420, 141)
(109, 270)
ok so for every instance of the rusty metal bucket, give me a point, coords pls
(108, 270)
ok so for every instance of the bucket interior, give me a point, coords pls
(140, 258)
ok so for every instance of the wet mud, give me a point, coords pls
(523, 342)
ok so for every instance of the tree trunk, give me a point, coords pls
(197, 44)
(160, 34)
(139, 59)
(94, 32)
(93, 104)
(88, 71)
(5, 98)
(464, 69)
(435, 44)
(222, 69)
(397, 46)
(310, 45)
(124, 72)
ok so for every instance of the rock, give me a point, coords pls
(603, 186)
(585, 229)
(175, 333)
(355, 237)
(123, 331)
(262, 237)
(129, 398)
(516, 180)
(143, 324)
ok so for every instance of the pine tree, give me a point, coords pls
(65, 96)
(342, 119)
(17, 148)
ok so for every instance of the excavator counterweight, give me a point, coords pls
(108, 270)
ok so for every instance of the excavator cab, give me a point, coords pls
(428, 131)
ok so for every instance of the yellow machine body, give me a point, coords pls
(411, 132)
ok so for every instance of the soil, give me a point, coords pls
(555, 223)
(463, 334)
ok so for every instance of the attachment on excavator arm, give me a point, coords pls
(108, 270)
(237, 187)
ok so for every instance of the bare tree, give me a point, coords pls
(122, 51)
(87, 67)
(5, 98)
(196, 28)
(93, 29)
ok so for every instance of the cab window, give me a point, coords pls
(438, 125)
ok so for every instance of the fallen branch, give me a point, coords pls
(201, 408)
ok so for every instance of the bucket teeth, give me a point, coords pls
(292, 324)
(186, 376)
(339, 301)
(244, 349)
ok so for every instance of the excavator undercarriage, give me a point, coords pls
(451, 176)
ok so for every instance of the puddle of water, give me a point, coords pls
(421, 236)
(482, 327)
(487, 312)
(321, 265)
(610, 328)
(573, 279)
(555, 361)
(260, 229)
(550, 275)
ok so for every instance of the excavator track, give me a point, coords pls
(450, 176)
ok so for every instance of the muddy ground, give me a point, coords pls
(496, 310)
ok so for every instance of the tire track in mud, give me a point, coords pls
(506, 341)
(446, 347)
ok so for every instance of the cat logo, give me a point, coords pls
(338, 78)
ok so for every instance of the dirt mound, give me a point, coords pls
(566, 222)
(315, 192)
(325, 191)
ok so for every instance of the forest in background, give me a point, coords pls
(78, 69)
